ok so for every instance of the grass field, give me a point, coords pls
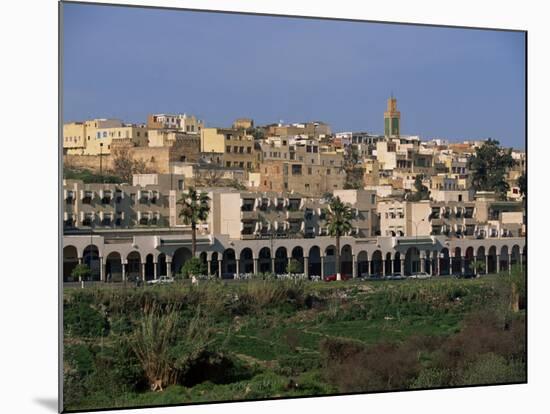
(265, 339)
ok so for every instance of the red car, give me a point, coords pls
(332, 278)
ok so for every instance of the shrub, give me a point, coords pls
(81, 272)
(81, 319)
(492, 369)
(432, 378)
(193, 266)
(353, 367)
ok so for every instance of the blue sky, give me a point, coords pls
(451, 83)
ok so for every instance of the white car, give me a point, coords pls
(420, 275)
(161, 280)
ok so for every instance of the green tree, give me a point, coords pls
(488, 168)
(352, 168)
(81, 272)
(193, 266)
(194, 209)
(338, 218)
(294, 266)
(421, 191)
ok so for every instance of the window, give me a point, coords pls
(180, 185)
(249, 150)
(328, 171)
(228, 149)
(104, 134)
(460, 197)
(98, 135)
(309, 170)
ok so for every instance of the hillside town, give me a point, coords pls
(418, 205)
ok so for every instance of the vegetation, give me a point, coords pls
(338, 220)
(193, 266)
(194, 210)
(294, 266)
(263, 338)
(81, 272)
(88, 176)
(421, 191)
(488, 168)
(353, 169)
(124, 165)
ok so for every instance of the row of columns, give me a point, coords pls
(435, 268)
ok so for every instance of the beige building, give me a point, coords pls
(403, 218)
(236, 147)
(188, 124)
(96, 136)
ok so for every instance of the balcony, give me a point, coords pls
(248, 205)
(249, 215)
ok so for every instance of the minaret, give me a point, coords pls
(392, 118)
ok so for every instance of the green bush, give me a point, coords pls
(81, 319)
(81, 272)
(193, 266)
(492, 369)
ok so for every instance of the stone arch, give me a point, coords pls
(412, 261)
(264, 260)
(70, 260)
(469, 260)
(504, 258)
(133, 266)
(281, 260)
(376, 263)
(480, 257)
(388, 267)
(456, 261)
(90, 257)
(180, 256)
(346, 260)
(315, 261)
(444, 262)
(162, 269)
(113, 267)
(246, 261)
(363, 264)
(516, 257)
(149, 267)
(397, 263)
(330, 260)
(229, 264)
(492, 260)
(298, 254)
(524, 256)
(214, 270)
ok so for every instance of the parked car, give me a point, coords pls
(395, 276)
(161, 280)
(420, 275)
(331, 278)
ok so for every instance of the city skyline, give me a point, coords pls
(454, 84)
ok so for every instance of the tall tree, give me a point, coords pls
(421, 191)
(352, 168)
(338, 218)
(194, 209)
(124, 165)
(488, 167)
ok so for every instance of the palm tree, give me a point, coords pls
(194, 209)
(338, 217)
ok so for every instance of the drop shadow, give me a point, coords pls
(49, 403)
